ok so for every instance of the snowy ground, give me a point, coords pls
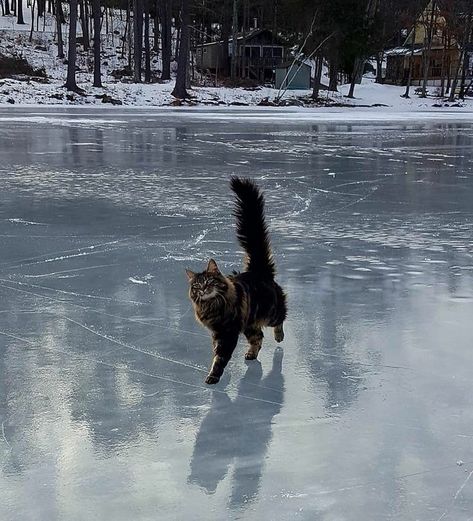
(365, 414)
(42, 52)
(141, 95)
(159, 94)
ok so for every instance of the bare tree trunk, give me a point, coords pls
(317, 77)
(178, 39)
(156, 34)
(180, 91)
(126, 34)
(466, 57)
(426, 54)
(84, 25)
(411, 64)
(96, 19)
(453, 87)
(449, 68)
(147, 44)
(129, 36)
(443, 73)
(461, 94)
(59, 20)
(234, 40)
(463, 57)
(137, 39)
(379, 67)
(72, 52)
(7, 7)
(357, 74)
(166, 38)
(333, 68)
(245, 71)
(32, 20)
(467, 90)
(86, 31)
(20, 20)
(224, 66)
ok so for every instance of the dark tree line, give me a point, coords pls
(341, 34)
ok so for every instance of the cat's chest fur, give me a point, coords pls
(210, 312)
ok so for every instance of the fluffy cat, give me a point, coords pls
(242, 302)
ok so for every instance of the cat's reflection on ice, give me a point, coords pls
(239, 431)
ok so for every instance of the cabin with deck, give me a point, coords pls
(258, 53)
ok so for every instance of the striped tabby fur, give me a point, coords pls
(243, 302)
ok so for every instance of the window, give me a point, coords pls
(435, 68)
(272, 52)
(252, 52)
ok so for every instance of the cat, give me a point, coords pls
(242, 302)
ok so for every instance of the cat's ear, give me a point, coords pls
(190, 274)
(212, 267)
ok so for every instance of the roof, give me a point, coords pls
(248, 36)
(403, 51)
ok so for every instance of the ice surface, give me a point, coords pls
(365, 412)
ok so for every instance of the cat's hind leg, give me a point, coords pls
(278, 333)
(254, 335)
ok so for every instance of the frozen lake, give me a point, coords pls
(365, 415)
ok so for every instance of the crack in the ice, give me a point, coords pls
(81, 251)
(132, 347)
(10, 448)
(150, 375)
(353, 203)
(325, 355)
(74, 294)
(112, 339)
(4, 437)
(455, 497)
(140, 350)
(403, 476)
(99, 312)
(4, 333)
(68, 271)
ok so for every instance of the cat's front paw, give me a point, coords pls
(211, 380)
(251, 355)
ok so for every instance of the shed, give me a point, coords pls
(293, 76)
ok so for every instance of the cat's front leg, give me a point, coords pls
(223, 346)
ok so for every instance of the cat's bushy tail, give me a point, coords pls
(252, 231)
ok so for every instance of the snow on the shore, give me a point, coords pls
(42, 51)
(369, 93)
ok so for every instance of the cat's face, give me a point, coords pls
(208, 285)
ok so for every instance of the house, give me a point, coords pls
(258, 52)
(293, 75)
(443, 57)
